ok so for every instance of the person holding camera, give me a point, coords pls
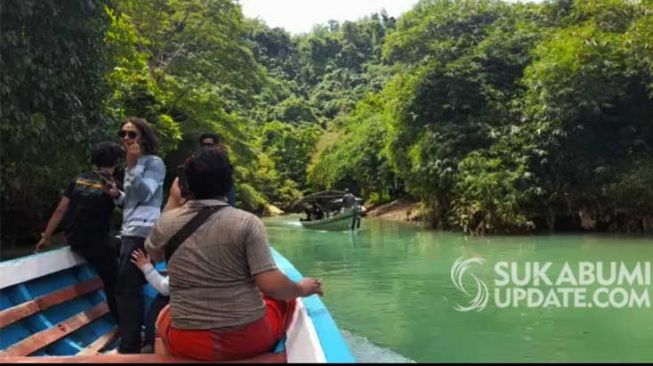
(179, 191)
(86, 208)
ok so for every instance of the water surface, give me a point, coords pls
(390, 285)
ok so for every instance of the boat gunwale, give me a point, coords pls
(328, 220)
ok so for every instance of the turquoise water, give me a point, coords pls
(389, 288)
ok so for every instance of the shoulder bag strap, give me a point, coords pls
(187, 230)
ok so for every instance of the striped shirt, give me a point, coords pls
(141, 201)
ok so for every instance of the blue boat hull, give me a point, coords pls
(314, 336)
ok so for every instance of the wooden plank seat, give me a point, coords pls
(48, 336)
(20, 351)
(279, 357)
(18, 312)
(99, 344)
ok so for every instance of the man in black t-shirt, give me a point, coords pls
(86, 210)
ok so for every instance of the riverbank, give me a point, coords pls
(397, 210)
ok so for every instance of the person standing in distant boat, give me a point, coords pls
(141, 202)
(349, 205)
(177, 198)
(86, 209)
(348, 200)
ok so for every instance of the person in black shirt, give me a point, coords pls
(86, 210)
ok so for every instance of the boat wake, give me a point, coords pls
(367, 352)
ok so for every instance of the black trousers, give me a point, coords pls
(158, 304)
(129, 296)
(103, 259)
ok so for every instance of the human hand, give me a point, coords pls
(133, 151)
(310, 286)
(140, 259)
(112, 189)
(42, 243)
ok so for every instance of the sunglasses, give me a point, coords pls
(131, 134)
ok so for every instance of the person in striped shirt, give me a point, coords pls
(141, 203)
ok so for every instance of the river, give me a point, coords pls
(389, 287)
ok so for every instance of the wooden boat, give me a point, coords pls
(330, 202)
(53, 309)
(349, 220)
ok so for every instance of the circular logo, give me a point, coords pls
(458, 271)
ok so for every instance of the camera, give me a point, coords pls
(183, 182)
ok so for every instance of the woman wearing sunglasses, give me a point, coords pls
(141, 204)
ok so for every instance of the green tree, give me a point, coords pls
(51, 92)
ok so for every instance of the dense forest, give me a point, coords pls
(496, 117)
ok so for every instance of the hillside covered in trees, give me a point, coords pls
(497, 117)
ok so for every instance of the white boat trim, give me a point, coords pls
(330, 340)
(302, 342)
(19, 270)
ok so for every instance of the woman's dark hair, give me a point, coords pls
(209, 175)
(106, 154)
(149, 138)
(210, 135)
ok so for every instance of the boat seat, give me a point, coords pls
(50, 335)
(20, 352)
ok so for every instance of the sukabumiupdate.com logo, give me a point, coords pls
(535, 285)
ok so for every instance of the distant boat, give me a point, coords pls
(341, 221)
(53, 309)
(325, 211)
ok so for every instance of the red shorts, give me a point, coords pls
(215, 345)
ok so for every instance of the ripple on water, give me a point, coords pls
(367, 352)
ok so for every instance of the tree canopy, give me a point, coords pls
(499, 117)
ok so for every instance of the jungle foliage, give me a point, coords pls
(499, 117)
